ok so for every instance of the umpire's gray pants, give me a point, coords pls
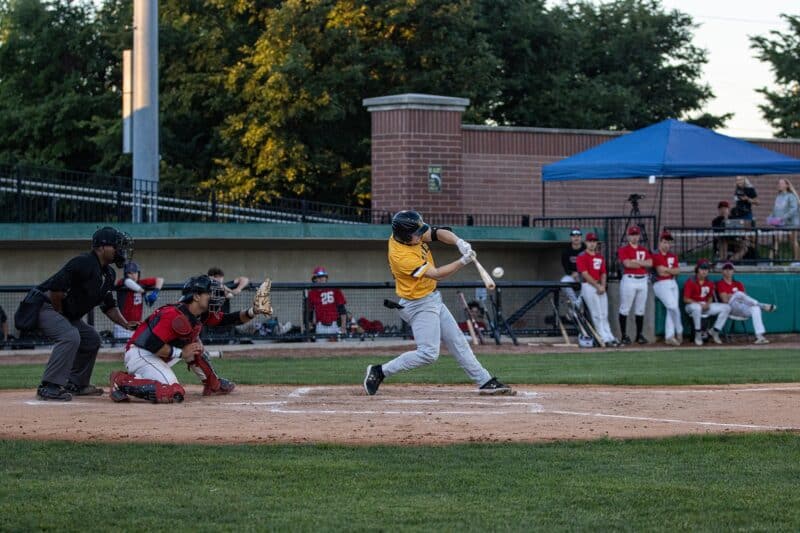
(75, 350)
(432, 324)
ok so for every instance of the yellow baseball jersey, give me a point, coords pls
(408, 264)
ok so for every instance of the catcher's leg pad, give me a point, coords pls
(146, 389)
(212, 383)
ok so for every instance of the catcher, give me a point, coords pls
(171, 334)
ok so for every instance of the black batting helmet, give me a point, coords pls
(406, 224)
(201, 285)
(121, 241)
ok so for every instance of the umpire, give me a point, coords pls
(83, 283)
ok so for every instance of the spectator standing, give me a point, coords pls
(731, 292)
(635, 260)
(594, 273)
(569, 261)
(666, 288)
(746, 197)
(132, 293)
(786, 212)
(326, 306)
(85, 282)
(698, 295)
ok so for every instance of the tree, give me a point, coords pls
(782, 50)
(303, 130)
(618, 65)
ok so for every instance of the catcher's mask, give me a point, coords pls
(121, 241)
(406, 224)
(201, 285)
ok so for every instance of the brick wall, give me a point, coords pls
(498, 170)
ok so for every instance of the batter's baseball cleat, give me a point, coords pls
(494, 386)
(225, 387)
(715, 335)
(88, 390)
(51, 391)
(373, 379)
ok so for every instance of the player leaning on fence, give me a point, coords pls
(416, 274)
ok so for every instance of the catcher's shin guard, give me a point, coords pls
(124, 385)
(212, 383)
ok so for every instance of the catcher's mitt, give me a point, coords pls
(262, 304)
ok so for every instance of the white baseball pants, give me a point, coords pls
(745, 306)
(632, 293)
(322, 329)
(143, 364)
(570, 292)
(667, 292)
(598, 308)
(432, 324)
(721, 311)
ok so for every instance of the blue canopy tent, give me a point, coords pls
(670, 149)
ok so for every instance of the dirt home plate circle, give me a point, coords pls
(498, 272)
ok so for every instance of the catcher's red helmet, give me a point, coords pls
(318, 273)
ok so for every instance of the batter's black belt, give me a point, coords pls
(635, 276)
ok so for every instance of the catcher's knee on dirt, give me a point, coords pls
(212, 383)
(124, 385)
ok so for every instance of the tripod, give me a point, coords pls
(500, 321)
(634, 214)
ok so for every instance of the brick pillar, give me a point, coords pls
(410, 133)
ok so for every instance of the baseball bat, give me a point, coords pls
(471, 326)
(561, 325)
(485, 277)
(596, 335)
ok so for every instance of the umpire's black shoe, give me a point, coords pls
(494, 386)
(88, 390)
(641, 340)
(625, 340)
(373, 379)
(51, 391)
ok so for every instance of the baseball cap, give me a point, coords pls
(728, 265)
(591, 237)
(131, 266)
(723, 203)
(318, 272)
(703, 263)
(575, 231)
(634, 230)
(667, 236)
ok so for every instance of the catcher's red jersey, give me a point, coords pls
(325, 304)
(174, 325)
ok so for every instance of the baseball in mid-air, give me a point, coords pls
(498, 272)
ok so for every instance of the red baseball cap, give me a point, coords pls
(703, 263)
(591, 237)
(723, 203)
(634, 230)
(667, 236)
(318, 272)
(728, 265)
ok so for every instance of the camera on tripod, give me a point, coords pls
(633, 198)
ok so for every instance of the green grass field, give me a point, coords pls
(736, 482)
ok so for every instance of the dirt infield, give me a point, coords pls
(408, 414)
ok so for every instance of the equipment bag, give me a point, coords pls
(26, 317)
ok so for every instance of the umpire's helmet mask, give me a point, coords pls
(121, 241)
(406, 224)
(202, 285)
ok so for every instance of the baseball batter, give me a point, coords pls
(592, 268)
(635, 260)
(666, 288)
(698, 295)
(731, 292)
(416, 274)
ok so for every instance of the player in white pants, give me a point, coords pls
(416, 274)
(698, 295)
(636, 260)
(569, 259)
(732, 292)
(666, 288)
(592, 269)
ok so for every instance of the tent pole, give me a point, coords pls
(660, 205)
(543, 202)
(683, 223)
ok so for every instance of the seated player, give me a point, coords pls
(170, 334)
(478, 315)
(732, 293)
(698, 295)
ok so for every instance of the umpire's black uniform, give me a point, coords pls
(85, 283)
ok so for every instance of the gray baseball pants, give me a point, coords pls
(432, 324)
(75, 350)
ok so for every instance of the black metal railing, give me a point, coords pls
(742, 245)
(525, 310)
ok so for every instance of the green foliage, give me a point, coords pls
(719, 483)
(782, 51)
(673, 367)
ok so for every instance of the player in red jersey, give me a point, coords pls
(636, 260)
(326, 306)
(731, 292)
(592, 268)
(698, 295)
(665, 288)
(132, 292)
